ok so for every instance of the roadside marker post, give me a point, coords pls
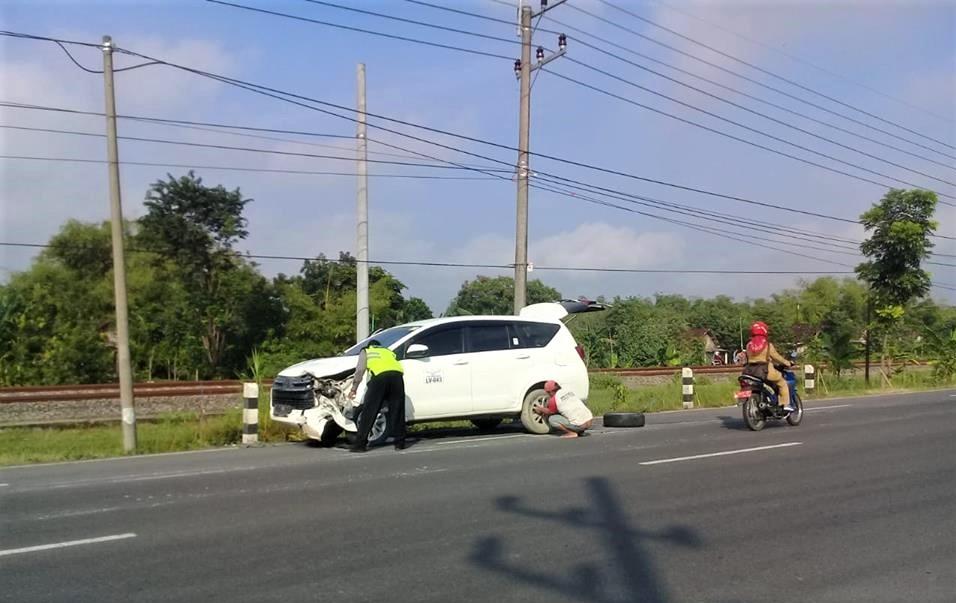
(250, 414)
(687, 386)
(809, 379)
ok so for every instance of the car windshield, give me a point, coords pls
(386, 338)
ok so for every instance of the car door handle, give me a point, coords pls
(461, 363)
(523, 356)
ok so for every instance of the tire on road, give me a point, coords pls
(624, 419)
(796, 417)
(486, 425)
(752, 417)
(533, 422)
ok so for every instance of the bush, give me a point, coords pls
(601, 381)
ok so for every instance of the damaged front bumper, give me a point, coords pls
(311, 403)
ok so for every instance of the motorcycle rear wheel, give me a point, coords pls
(752, 416)
(795, 417)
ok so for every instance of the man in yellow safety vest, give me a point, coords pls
(386, 384)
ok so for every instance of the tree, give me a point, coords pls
(901, 224)
(837, 338)
(495, 296)
(193, 228)
(415, 309)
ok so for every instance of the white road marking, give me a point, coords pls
(486, 439)
(827, 407)
(60, 545)
(726, 452)
(4, 485)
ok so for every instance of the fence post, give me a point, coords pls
(687, 386)
(809, 379)
(250, 414)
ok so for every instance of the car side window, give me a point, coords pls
(487, 338)
(443, 342)
(532, 334)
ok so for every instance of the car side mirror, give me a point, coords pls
(416, 350)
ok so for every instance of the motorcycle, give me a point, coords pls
(760, 402)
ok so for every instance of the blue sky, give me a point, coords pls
(904, 49)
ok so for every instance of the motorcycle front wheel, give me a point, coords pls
(753, 416)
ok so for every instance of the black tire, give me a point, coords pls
(486, 425)
(752, 415)
(533, 422)
(796, 417)
(379, 432)
(330, 434)
(624, 419)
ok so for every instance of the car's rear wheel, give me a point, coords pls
(486, 425)
(532, 421)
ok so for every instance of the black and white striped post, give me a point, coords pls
(809, 379)
(250, 414)
(687, 386)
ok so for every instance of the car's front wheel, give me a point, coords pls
(532, 421)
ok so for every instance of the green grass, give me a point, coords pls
(188, 431)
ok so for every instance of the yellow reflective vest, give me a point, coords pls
(381, 360)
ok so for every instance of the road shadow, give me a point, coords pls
(734, 423)
(628, 575)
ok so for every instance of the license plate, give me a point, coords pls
(742, 395)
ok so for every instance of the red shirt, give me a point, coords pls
(552, 406)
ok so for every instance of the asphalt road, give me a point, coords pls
(856, 504)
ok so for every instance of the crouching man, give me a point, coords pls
(566, 413)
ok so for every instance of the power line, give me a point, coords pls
(224, 147)
(780, 107)
(586, 44)
(757, 82)
(200, 125)
(793, 57)
(415, 22)
(784, 141)
(274, 93)
(472, 265)
(239, 169)
(100, 71)
(282, 95)
(737, 138)
(465, 12)
(770, 73)
(360, 30)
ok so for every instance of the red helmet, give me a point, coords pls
(759, 329)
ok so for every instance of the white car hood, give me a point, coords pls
(321, 367)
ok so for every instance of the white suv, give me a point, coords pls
(482, 368)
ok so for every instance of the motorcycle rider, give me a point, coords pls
(761, 360)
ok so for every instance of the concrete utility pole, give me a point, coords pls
(119, 258)
(523, 69)
(361, 211)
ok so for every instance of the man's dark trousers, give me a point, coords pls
(387, 388)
